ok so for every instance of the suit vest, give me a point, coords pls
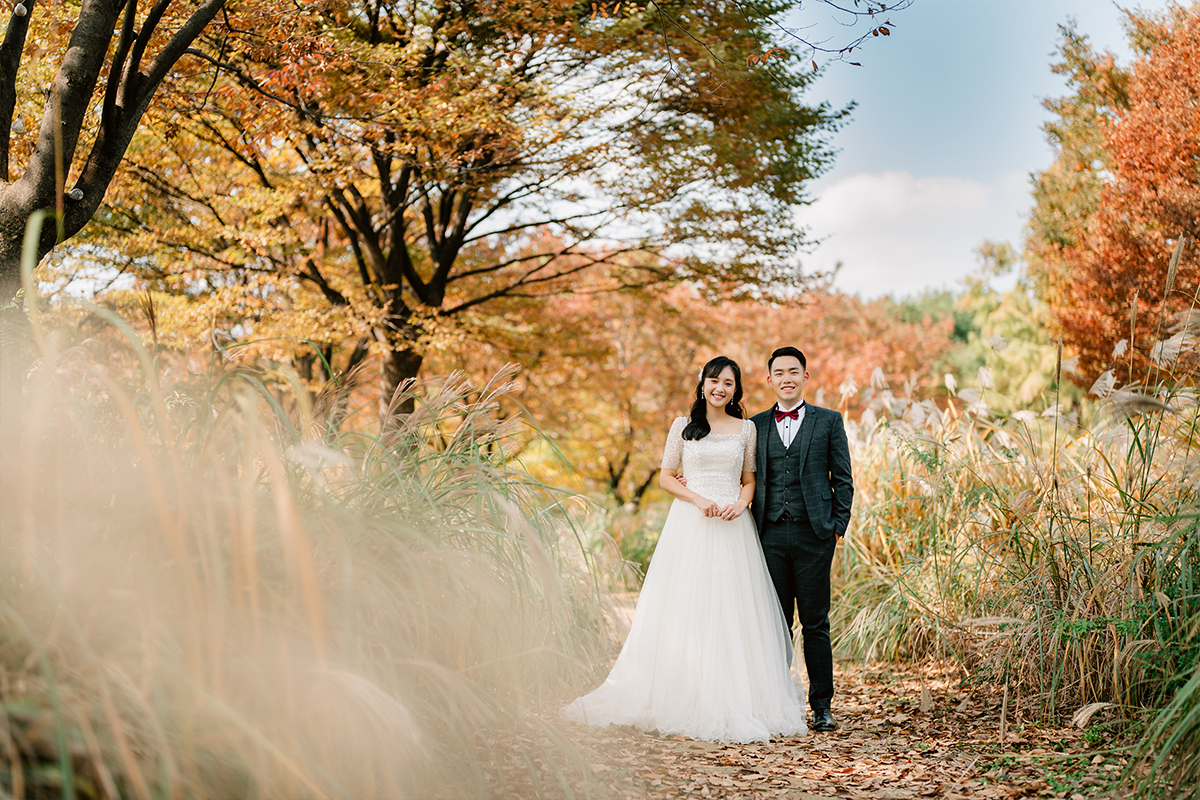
(784, 491)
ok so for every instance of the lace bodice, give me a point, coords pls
(713, 465)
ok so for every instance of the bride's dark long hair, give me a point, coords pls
(698, 427)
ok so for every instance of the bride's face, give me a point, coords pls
(719, 390)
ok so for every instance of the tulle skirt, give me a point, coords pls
(707, 655)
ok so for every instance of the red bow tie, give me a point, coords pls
(793, 414)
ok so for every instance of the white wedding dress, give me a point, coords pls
(707, 656)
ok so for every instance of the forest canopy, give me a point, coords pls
(426, 160)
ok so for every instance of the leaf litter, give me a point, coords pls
(905, 733)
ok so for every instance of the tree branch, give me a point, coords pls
(314, 275)
(67, 102)
(10, 62)
(177, 47)
(355, 247)
(527, 279)
(109, 115)
(113, 140)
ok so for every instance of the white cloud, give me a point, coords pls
(899, 234)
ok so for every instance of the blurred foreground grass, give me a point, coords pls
(203, 594)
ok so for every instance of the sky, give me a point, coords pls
(938, 154)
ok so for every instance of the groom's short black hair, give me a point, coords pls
(787, 351)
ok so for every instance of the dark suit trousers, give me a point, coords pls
(799, 563)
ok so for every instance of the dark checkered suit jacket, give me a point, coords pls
(826, 478)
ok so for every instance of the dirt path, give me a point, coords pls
(904, 734)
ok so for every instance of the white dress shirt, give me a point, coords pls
(787, 426)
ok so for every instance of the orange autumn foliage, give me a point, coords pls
(1145, 166)
(604, 373)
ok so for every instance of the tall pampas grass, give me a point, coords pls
(203, 594)
(1057, 559)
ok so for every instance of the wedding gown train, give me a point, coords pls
(707, 655)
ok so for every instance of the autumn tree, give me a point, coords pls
(1006, 350)
(77, 79)
(1122, 192)
(844, 338)
(369, 173)
(605, 372)
(602, 374)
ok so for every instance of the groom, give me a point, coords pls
(802, 507)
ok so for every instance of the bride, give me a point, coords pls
(707, 653)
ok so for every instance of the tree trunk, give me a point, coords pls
(16, 339)
(10, 281)
(135, 72)
(398, 373)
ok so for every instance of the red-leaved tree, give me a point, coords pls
(1103, 248)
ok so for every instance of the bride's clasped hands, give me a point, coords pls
(711, 509)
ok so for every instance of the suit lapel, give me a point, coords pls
(804, 435)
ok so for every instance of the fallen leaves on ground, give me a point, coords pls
(886, 747)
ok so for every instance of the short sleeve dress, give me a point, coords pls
(707, 654)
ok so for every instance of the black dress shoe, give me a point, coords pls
(823, 720)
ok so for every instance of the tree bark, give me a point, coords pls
(398, 373)
(133, 78)
(10, 277)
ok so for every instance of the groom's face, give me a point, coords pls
(787, 378)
